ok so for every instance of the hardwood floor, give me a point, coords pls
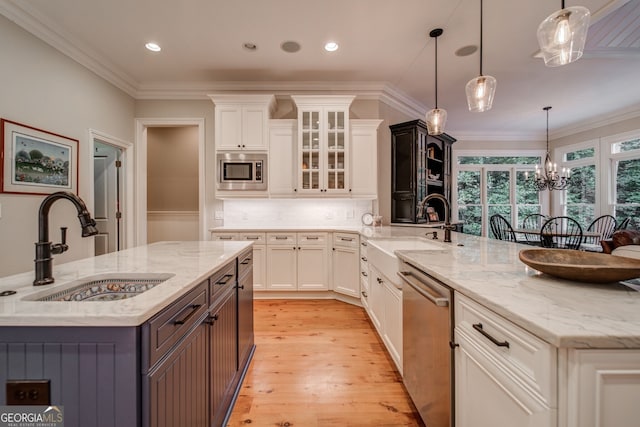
(320, 363)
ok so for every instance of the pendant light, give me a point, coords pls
(437, 117)
(480, 91)
(547, 176)
(562, 35)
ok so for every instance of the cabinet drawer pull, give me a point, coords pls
(478, 327)
(281, 237)
(364, 274)
(364, 294)
(246, 261)
(252, 237)
(194, 309)
(224, 279)
(312, 238)
(364, 258)
(240, 286)
(347, 239)
(364, 243)
(225, 238)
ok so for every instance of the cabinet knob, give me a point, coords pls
(379, 280)
(364, 294)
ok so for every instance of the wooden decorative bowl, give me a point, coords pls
(581, 266)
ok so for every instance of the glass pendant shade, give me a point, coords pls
(480, 92)
(562, 35)
(436, 119)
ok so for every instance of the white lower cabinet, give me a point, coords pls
(297, 261)
(346, 264)
(385, 311)
(603, 388)
(259, 253)
(504, 376)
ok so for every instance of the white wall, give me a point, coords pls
(45, 89)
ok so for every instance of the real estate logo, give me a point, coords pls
(31, 416)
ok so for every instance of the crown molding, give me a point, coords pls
(31, 21)
(609, 119)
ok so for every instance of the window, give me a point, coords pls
(494, 184)
(624, 160)
(579, 200)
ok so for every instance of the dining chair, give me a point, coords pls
(605, 225)
(501, 228)
(622, 225)
(561, 232)
(533, 222)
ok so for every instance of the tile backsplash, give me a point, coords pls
(295, 212)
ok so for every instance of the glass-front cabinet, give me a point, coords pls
(323, 147)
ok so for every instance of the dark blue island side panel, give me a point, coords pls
(94, 372)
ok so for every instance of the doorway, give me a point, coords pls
(112, 192)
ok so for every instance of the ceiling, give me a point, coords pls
(384, 51)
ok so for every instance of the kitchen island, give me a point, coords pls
(177, 351)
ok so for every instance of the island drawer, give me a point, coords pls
(221, 280)
(245, 263)
(524, 358)
(167, 328)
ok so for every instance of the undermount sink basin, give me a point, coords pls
(381, 253)
(104, 287)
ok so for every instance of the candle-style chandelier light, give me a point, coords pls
(547, 176)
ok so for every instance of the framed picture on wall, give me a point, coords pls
(36, 161)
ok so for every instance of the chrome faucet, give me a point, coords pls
(44, 248)
(447, 213)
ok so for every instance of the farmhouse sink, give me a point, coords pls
(381, 253)
(103, 287)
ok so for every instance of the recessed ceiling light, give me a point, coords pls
(153, 47)
(290, 46)
(331, 47)
(250, 46)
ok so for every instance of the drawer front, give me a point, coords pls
(245, 263)
(224, 236)
(222, 280)
(526, 359)
(169, 326)
(346, 240)
(257, 238)
(288, 239)
(312, 239)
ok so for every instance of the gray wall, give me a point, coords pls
(45, 89)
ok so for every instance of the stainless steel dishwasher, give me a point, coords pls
(427, 319)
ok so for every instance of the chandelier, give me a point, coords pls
(547, 176)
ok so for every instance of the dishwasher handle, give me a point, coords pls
(422, 288)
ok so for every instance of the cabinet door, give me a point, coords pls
(364, 158)
(245, 313)
(281, 273)
(313, 267)
(254, 127)
(603, 388)
(309, 152)
(376, 298)
(228, 127)
(336, 151)
(259, 267)
(346, 271)
(282, 160)
(223, 345)
(393, 323)
(178, 386)
(485, 396)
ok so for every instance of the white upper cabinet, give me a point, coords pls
(323, 144)
(242, 121)
(364, 158)
(282, 148)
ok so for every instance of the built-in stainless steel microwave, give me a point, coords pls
(242, 171)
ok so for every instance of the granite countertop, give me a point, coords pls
(189, 262)
(561, 312)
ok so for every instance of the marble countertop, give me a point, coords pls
(561, 312)
(190, 262)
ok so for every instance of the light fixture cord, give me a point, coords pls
(547, 130)
(562, 2)
(436, 72)
(480, 37)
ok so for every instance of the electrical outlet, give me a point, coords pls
(28, 392)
